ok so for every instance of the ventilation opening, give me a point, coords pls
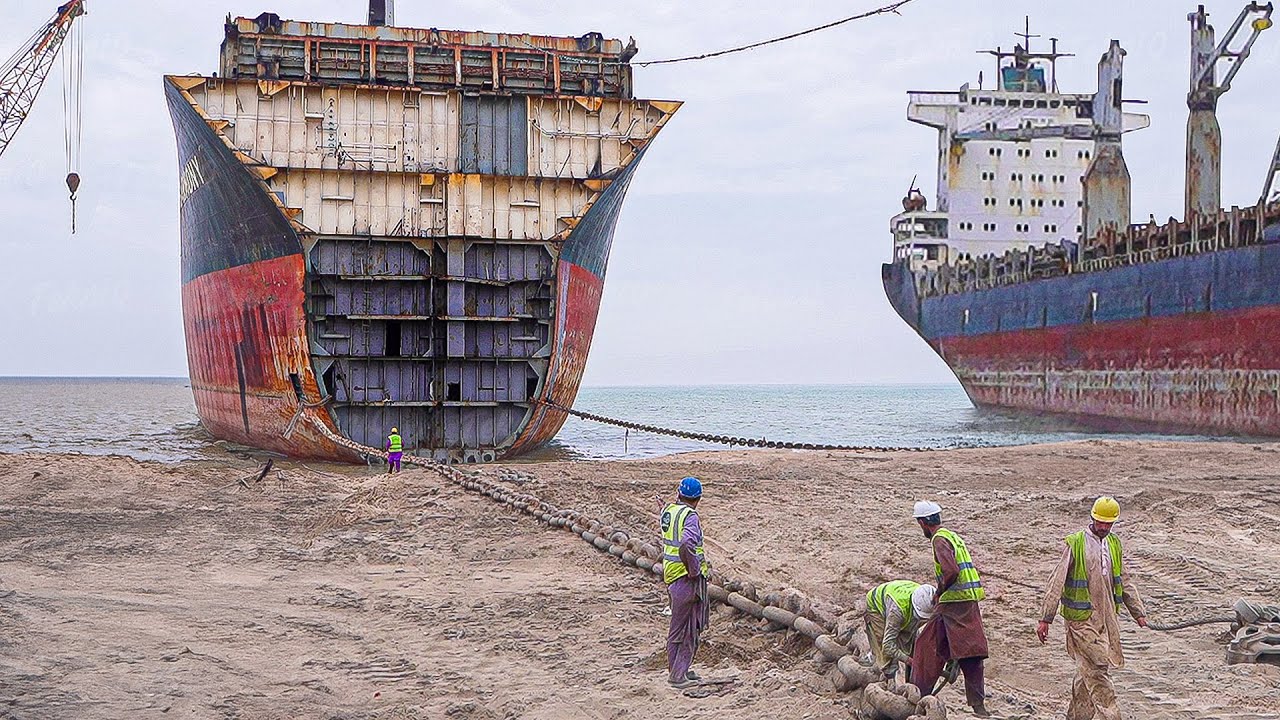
(453, 392)
(329, 379)
(297, 386)
(531, 387)
(393, 340)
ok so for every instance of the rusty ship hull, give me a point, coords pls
(388, 227)
(1126, 325)
(1183, 336)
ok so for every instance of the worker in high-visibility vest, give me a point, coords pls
(955, 634)
(395, 450)
(685, 570)
(1090, 584)
(895, 611)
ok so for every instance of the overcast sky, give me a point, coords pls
(749, 249)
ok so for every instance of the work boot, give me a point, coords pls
(980, 710)
(691, 675)
(682, 684)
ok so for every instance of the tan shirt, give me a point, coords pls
(1096, 640)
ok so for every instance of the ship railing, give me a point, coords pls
(1137, 244)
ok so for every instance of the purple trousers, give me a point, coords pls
(393, 459)
(690, 610)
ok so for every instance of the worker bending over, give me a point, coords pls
(895, 611)
(1089, 584)
(956, 633)
(685, 570)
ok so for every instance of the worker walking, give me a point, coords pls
(395, 450)
(956, 633)
(895, 611)
(685, 569)
(1089, 584)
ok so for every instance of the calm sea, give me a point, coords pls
(155, 419)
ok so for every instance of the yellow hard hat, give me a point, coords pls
(395, 430)
(1106, 509)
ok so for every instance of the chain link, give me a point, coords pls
(725, 439)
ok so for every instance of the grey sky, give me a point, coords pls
(750, 246)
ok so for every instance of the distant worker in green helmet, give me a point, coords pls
(685, 570)
(955, 634)
(895, 611)
(395, 450)
(1089, 585)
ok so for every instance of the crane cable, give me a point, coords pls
(890, 8)
(72, 72)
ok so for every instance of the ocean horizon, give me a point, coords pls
(154, 418)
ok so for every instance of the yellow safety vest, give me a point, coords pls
(968, 586)
(394, 440)
(897, 590)
(673, 520)
(1076, 604)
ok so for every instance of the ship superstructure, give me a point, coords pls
(1031, 282)
(386, 226)
(1011, 159)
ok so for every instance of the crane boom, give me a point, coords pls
(1204, 136)
(25, 72)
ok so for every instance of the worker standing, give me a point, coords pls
(895, 611)
(395, 450)
(956, 633)
(1089, 584)
(685, 569)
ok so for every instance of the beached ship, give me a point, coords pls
(1031, 282)
(385, 226)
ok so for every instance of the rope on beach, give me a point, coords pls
(725, 439)
(876, 698)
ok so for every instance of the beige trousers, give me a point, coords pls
(1092, 695)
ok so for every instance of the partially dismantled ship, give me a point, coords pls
(385, 226)
(1031, 282)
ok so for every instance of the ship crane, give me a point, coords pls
(1204, 137)
(24, 74)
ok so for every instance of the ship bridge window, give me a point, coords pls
(1042, 103)
(984, 101)
(1053, 103)
(1000, 102)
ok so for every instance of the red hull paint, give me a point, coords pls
(246, 334)
(577, 306)
(1210, 372)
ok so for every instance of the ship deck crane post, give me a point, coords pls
(1204, 137)
(23, 74)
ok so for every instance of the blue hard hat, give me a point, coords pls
(691, 488)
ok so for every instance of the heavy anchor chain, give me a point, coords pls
(875, 698)
(724, 439)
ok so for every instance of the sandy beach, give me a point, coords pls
(132, 589)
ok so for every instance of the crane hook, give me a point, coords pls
(73, 184)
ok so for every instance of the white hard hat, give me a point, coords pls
(925, 508)
(922, 601)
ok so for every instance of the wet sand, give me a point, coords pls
(147, 590)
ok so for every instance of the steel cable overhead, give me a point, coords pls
(891, 8)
